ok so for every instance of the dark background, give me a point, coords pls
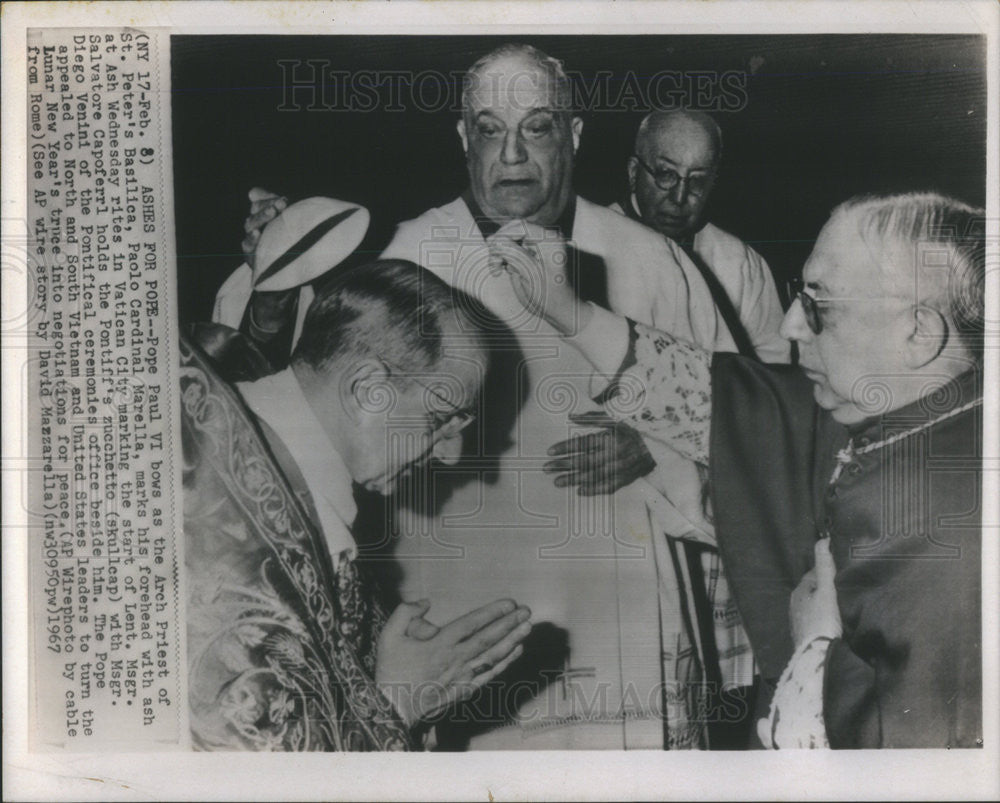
(826, 117)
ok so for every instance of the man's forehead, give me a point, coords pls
(682, 140)
(516, 82)
(459, 376)
(841, 258)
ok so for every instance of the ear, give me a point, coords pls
(928, 338)
(633, 173)
(577, 128)
(366, 390)
(460, 127)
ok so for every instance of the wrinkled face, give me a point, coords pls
(857, 361)
(519, 141)
(682, 148)
(418, 418)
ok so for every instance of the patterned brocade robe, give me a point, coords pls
(281, 636)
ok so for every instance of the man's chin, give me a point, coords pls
(516, 201)
(841, 410)
(675, 228)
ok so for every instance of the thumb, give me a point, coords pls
(825, 567)
(404, 613)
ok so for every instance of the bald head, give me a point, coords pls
(673, 170)
(693, 127)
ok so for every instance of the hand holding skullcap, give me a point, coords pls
(307, 239)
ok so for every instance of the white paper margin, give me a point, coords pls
(931, 775)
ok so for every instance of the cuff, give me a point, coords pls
(603, 341)
(796, 717)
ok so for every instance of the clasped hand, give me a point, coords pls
(813, 607)
(423, 669)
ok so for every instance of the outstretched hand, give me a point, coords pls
(600, 462)
(423, 669)
(537, 263)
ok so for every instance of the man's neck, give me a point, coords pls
(489, 226)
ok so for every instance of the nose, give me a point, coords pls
(794, 325)
(448, 450)
(679, 193)
(513, 151)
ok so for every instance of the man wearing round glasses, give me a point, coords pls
(671, 175)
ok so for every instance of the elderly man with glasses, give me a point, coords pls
(671, 175)
(847, 491)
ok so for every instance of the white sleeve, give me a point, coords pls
(232, 299)
(603, 341)
(405, 244)
(760, 310)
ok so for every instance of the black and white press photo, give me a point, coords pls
(513, 394)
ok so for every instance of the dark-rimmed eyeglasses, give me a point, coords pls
(667, 179)
(811, 304)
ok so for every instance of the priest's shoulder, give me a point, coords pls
(449, 223)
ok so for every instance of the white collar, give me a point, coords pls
(278, 400)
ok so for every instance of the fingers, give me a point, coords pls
(493, 642)
(464, 626)
(578, 444)
(483, 672)
(263, 213)
(521, 231)
(464, 686)
(421, 630)
(506, 255)
(571, 451)
(405, 612)
(600, 462)
(257, 194)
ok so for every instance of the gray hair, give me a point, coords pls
(946, 239)
(552, 66)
